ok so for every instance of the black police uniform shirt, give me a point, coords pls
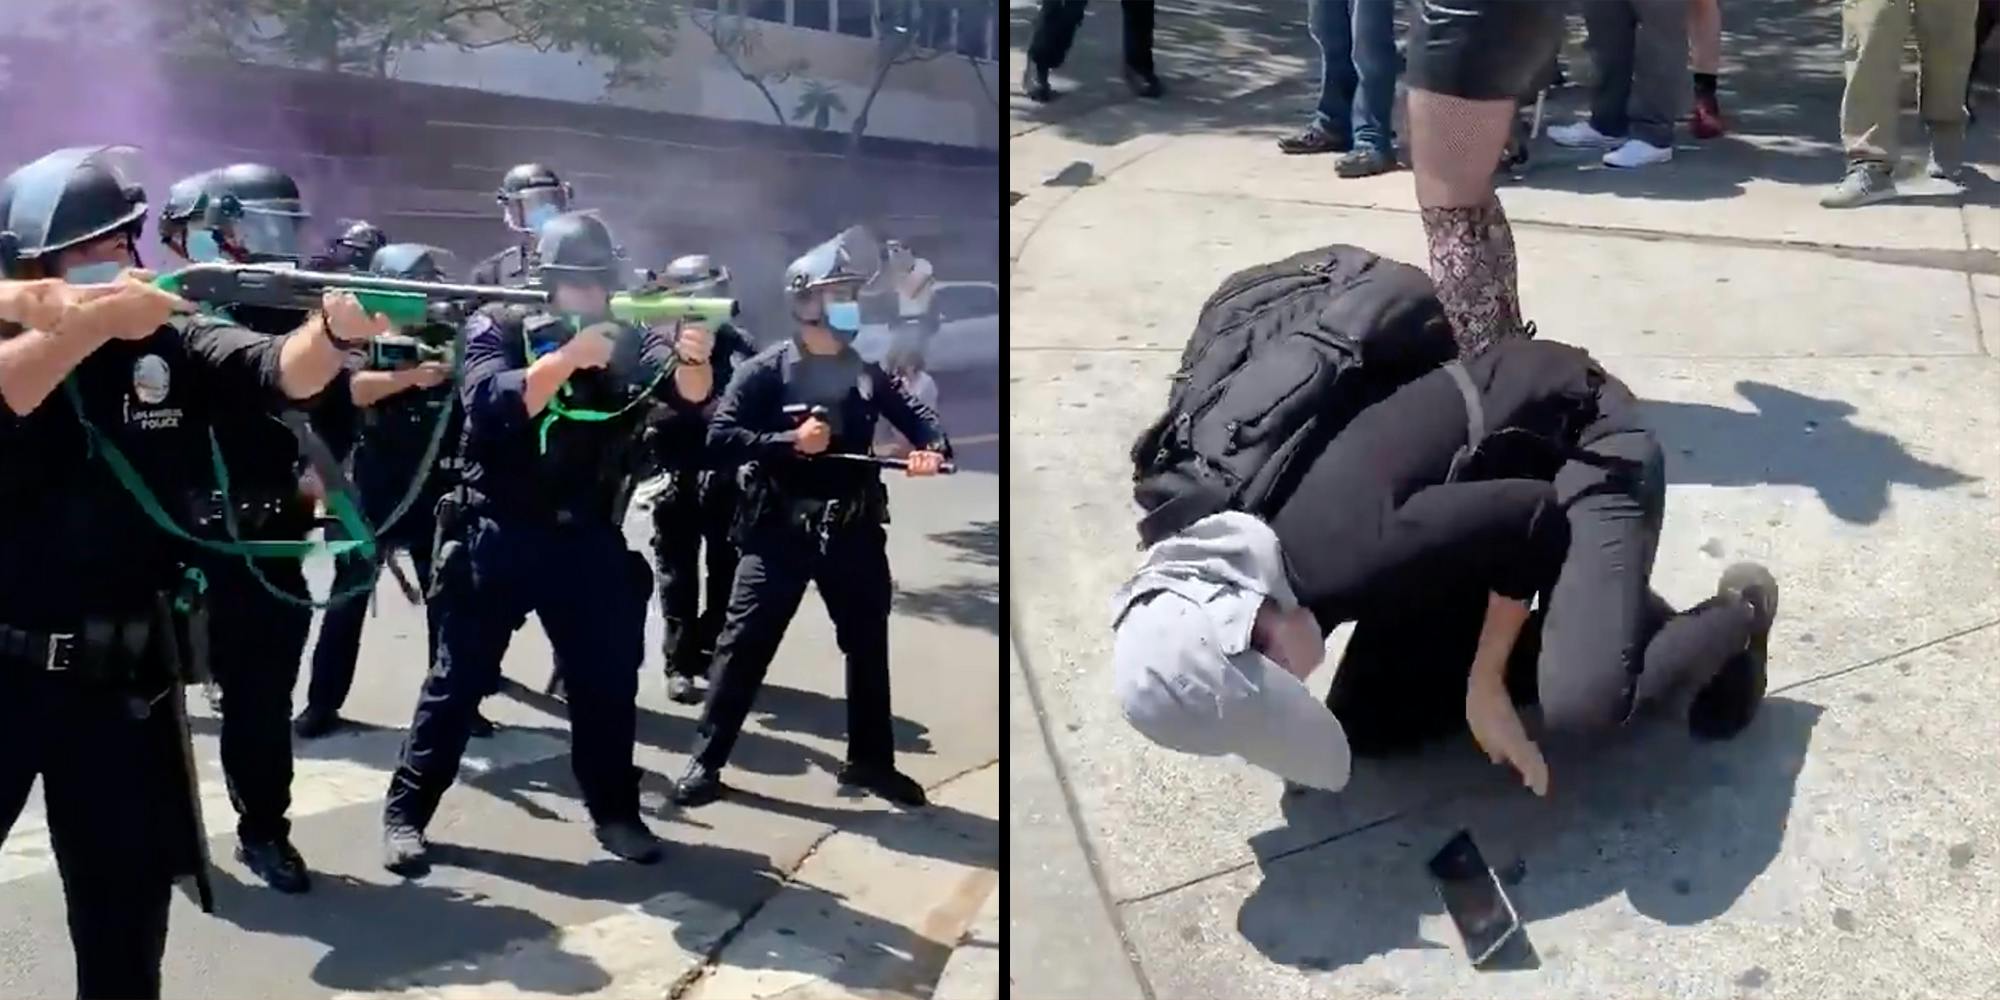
(504, 459)
(679, 435)
(263, 455)
(73, 542)
(395, 433)
(750, 423)
(1352, 536)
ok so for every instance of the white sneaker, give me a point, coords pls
(1580, 135)
(1638, 153)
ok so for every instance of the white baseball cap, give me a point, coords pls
(1184, 668)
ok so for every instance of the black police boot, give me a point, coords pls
(314, 723)
(1729, 701)
(629, 839)
(681, 688)
(1035, 83)
(404, 849)
(1144, 82)
(698, 786)
(886, 781)
(481, 727)
(277, 862)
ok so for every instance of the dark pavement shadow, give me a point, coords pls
(376, 933)
(935, 831)
(706, 891)
(1794, 440)
(1681, 829)
(974, 603)
(674, 734)
(795, 710)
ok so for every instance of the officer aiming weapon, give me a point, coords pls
(403, 302)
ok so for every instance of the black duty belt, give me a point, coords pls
(55, 652)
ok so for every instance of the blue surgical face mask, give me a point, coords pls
(844, 319)
(539, 216)
(202, 247)
(93, 274)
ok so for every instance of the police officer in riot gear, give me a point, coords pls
(400, 413)
(94, 633)
(699, 502)
(555, 402)
(353, 250)
(806, 519)
(252, 213)
(530, 195)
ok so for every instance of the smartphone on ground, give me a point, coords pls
(1473, 898)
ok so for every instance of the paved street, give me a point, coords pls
(1825, 385)
(786, 886)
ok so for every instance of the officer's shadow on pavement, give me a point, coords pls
(1681, 828)
(754, 751)
(813, 713)
(706, 892)
(1792, 440)
(935, 831)
(376, 932)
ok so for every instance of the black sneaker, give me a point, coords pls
(1035, 84)
(1313, 139)
(1729, 701)
(885, 781)
(698, 786)
(482, 727)
(629, 839)
(404, 849)
(1143, 82)
(314, 723)
(681, 688)
(277, 862)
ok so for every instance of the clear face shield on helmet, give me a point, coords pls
(530, 210)
(268, 231)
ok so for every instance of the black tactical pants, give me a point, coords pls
(257, 640)
(694, 514)
(110, 782)
(852, 572)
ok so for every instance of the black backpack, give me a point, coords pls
(1283, 356)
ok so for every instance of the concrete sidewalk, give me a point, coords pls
(1825, 385)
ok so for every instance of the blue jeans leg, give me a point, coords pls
(1373, 42)
(1330, 23)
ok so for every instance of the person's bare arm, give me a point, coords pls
(368, 388)
(545, 378)
(66, 324)
(1489, 710)
(34, 362)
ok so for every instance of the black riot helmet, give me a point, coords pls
(695, 276)
(530, 196)
(414, 262)
(65, 199)
(186, 201)
(577, 245)
(354, 249)
(851, 258)
(255, 213)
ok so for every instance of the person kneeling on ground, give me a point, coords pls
(1524, 471)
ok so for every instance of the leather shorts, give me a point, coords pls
(1484, 50)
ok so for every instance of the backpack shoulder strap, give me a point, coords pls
(1475, 418)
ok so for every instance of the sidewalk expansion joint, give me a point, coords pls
(690, 978)
(1967, 260)
(1445, 797)
(1074, 808)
